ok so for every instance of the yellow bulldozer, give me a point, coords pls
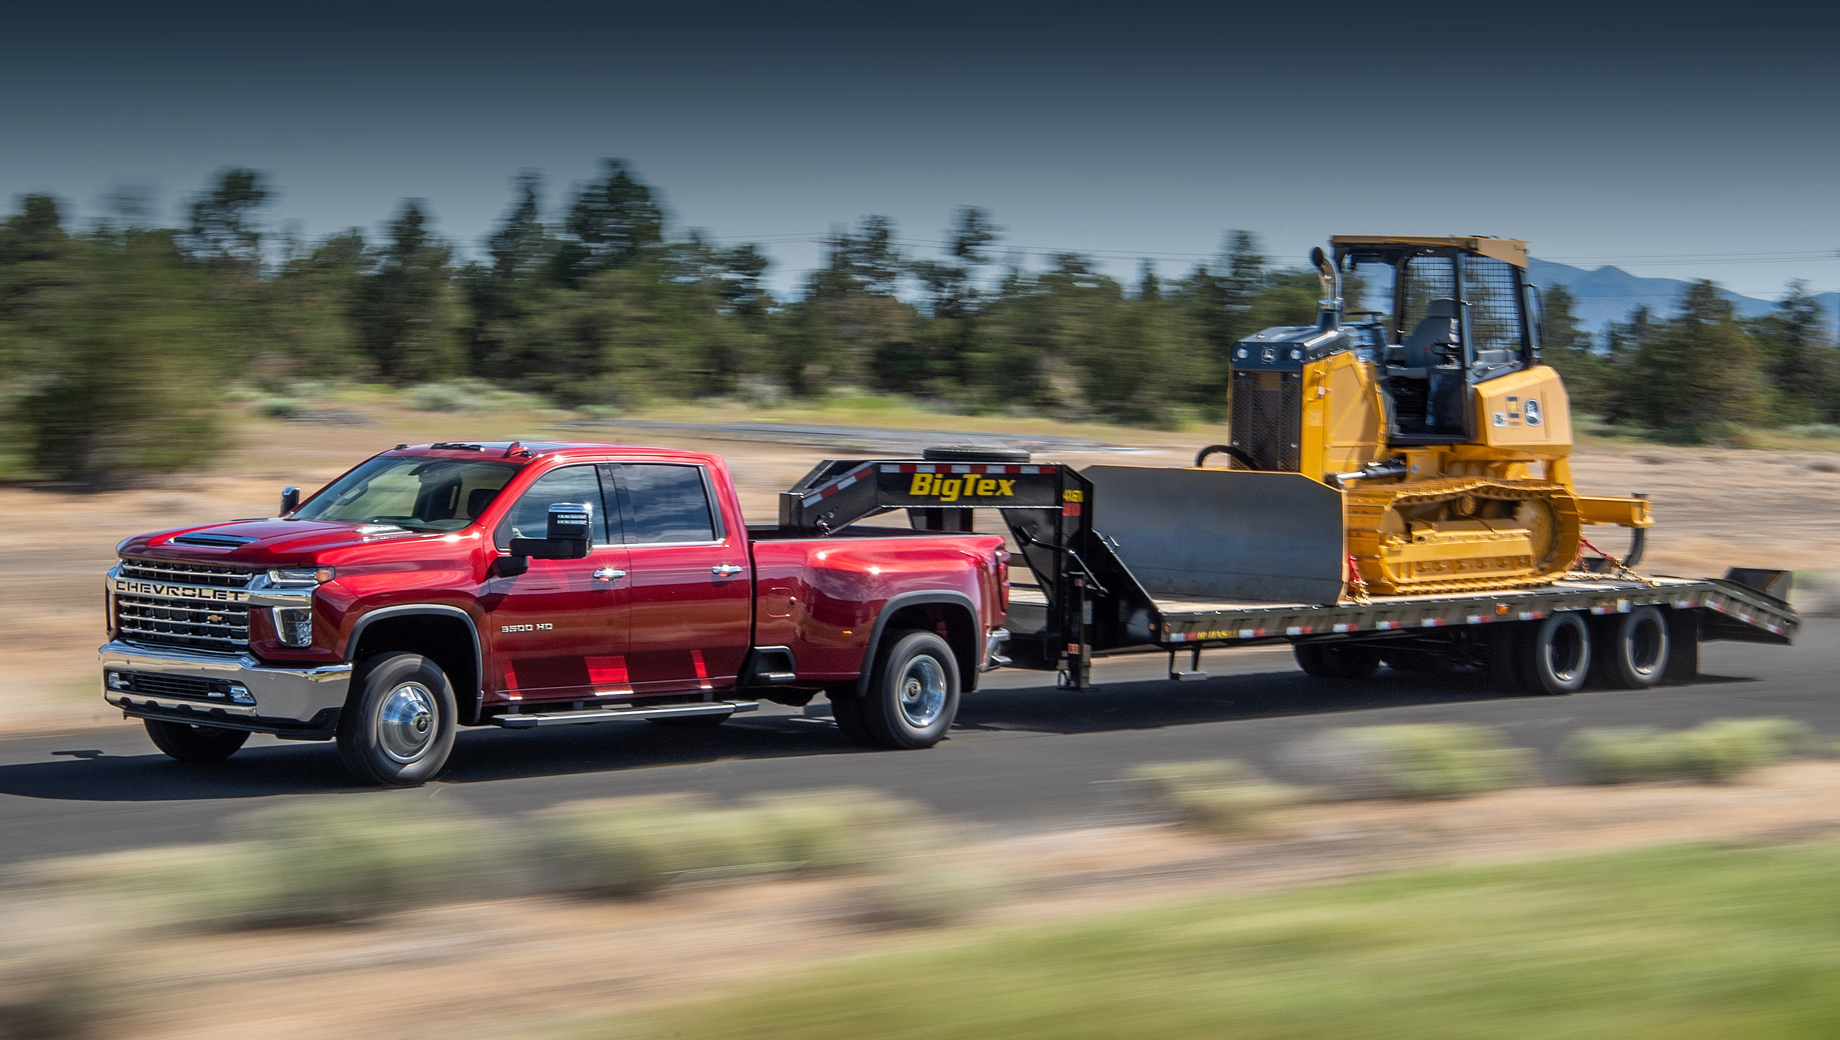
(1431, 414)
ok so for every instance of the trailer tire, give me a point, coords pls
(189, 743)
(1631, 649)
(1336, 660)
(397, 728)
(1555, 655)
(913, 694)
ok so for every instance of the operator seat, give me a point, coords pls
(1427, 383)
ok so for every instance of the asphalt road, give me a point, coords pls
(1024, 755)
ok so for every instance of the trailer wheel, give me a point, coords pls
(189, 743)
(398, 727)
(913, 695)
(1632, 649)
(1336, 660)
(1555, 657)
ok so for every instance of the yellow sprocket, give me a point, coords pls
(1460, 534)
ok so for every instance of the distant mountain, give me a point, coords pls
(1609, 293)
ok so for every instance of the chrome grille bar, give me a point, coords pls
(187, 573)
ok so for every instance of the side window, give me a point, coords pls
(664, 503)
(530, 517)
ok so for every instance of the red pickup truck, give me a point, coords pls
(528, 584)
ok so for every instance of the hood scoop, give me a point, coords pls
(214, 541)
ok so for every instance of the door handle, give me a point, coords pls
(609, 574)
(725, 570)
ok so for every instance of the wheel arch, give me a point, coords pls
(444, 634)
(927, 611)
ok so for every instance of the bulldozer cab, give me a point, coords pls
(1446, 314)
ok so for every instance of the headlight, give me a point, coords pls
(300, 577)
(294, 625)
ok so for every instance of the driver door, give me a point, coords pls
(559, 631)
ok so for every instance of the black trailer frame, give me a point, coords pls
(1086, 602)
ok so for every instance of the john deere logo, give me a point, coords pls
(1268, 355)
(951, 489)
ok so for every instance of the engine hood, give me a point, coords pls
(262, 543)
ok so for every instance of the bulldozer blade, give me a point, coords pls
(1222, 534)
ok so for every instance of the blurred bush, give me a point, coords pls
(1222, 796)
(51, 999)
(467, 395)
(1715, 752)
(931, 888)
(631, 846)
(1422, 760)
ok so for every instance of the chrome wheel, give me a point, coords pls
(923, 691)
(406, 722)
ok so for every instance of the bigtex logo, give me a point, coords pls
(950, 489)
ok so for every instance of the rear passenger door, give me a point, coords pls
(690, 589)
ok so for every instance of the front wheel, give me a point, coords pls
(189, 743)
(398, 726)
(913, 696)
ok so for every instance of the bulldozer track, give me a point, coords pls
(1365, 509)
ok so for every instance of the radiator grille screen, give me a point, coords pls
(1267, 418)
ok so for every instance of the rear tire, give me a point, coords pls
(189, 743)
(397, 728)
(913, 695)
(1632, 649)
(1336, 660)
(1555, 657)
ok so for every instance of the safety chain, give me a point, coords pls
(1616, 564)
(1357, 585)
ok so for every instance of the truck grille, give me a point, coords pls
(188, 623)
(186, 573)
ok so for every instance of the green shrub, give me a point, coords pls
(341, 861)
(833, 829)
(1222, 796)
(277, 407)
(930, 890)
(438, 397)
(51, 1000)
(1816, 430)
(631, 846)
(1420, 760)
(1717, 751)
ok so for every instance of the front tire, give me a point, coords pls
(913, 696)
(397, 728)
(189, 743)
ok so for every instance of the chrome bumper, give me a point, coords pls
(240, 688)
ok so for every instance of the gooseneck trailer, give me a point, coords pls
(1132, 560)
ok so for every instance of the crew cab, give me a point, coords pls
(531, 584)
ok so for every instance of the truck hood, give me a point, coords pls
(261, 543)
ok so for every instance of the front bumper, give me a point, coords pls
(213, 689)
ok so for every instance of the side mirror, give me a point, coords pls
(290, 500)
(569, 533)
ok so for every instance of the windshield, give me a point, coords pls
(421, 494)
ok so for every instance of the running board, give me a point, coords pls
(532, 720)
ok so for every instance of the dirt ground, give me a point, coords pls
(535, 966)
(1714, 508)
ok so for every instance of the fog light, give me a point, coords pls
(118, 681)
(239, 694)
(294, 625)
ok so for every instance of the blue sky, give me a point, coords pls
(1656, 141)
